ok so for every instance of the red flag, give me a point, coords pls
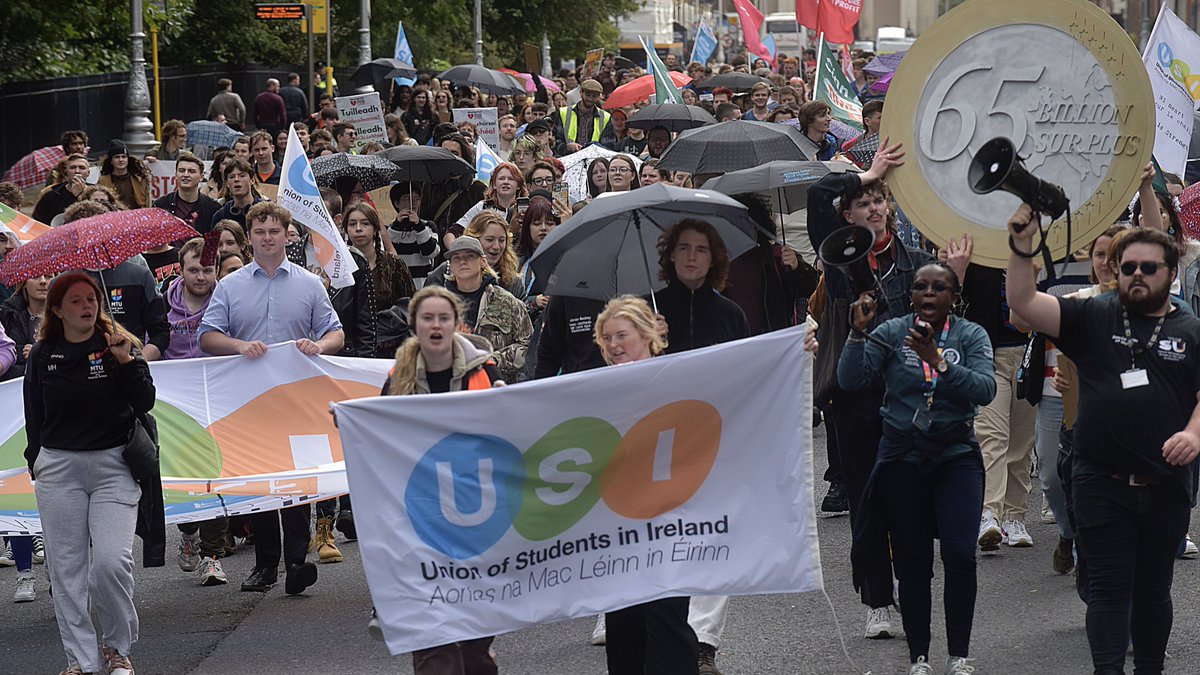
(751, 20)
(807, 14)
(837, 19)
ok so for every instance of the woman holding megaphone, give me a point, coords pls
(885, 267)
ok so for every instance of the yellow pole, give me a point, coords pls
(157, 102)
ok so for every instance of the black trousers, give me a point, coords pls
(469, 657)
(859, 428)
(1129, 537)
(652, 638)
(833, 472)
(296, 533)
(328, 508)
(921, 507)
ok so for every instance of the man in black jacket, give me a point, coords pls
(694, 262)
(186, 203)
(566, 343)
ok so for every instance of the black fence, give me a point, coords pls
(35, 114)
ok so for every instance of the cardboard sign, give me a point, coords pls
(365, 112)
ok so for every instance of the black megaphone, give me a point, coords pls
(847, 248)
(997, 167)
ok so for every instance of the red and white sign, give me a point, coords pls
(484, 120)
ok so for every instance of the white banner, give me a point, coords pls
(366, 114)
(162, 176)
(484, 120)
(1172, 60)
(238, 435)
(299, 194)
(484, 512)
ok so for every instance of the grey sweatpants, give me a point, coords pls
(89, 496)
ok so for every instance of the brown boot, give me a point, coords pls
(323, 541)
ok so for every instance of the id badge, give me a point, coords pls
(1133, 378)
(921, 419)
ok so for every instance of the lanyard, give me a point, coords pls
(931, 375)
(1136, 348)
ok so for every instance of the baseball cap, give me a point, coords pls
(465, 244)
(542, 124)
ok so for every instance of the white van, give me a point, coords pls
(783, 28)
(891, 39)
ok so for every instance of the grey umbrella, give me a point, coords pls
(785, 183)
(605, 250)
(484, 79)
(372, 171)
(732, 146)
(674, 116)
(738, 83)
(382, 69)
(422, 164)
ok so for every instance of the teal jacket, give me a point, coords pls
(969, 382)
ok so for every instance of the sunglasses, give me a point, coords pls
(938, 287)
(1149, 269)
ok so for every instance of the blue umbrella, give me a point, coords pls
(602, 252)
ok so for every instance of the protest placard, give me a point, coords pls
(365, 112)
(484, 120)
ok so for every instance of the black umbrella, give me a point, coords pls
(423, 164)
(605, 250)
(731, 146)
(674, 116)
(484, 79)
(785, 182)
(382, 69)
(738, 83)
(622, 62)
(372, 171)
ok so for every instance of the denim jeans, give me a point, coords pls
(920, 507)
(1049, 424)
(1128, 536)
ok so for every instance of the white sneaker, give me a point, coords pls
(1048, 517)
(921, 667)
(600, 632)
(6, 559)
(957, 665)
(24, 592)
(879, 624)
(989, 532)
(1189, 548)
(39, 551)
(1015, 534)
(211, 573)
(189, 551)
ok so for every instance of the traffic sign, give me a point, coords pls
(279, 12)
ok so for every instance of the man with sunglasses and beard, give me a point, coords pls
(1131, 483)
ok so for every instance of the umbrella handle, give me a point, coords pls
(637, 223)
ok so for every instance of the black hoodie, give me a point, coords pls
(699, 318)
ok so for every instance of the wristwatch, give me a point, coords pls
(942, 366)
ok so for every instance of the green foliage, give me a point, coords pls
(55, 38)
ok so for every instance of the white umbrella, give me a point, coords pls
(575, 167)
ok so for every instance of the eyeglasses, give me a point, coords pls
(1148, 268)
(619, 169)
(548, 180)
(922, 286)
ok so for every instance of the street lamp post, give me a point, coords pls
(364, 41)
(139, 130)
(479, 32)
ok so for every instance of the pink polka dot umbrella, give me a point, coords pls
(97, 243)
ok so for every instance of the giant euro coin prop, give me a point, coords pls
(1059, 78)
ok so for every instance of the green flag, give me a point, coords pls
(665, 90)
(832, 87)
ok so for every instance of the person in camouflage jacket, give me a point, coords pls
(500, 317)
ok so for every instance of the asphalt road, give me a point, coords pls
(1028, 620)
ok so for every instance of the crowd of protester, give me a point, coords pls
(920, 382)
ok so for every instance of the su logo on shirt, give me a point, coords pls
(467, 490)
(96, 366)
(116, 304)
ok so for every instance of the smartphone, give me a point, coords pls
(562, 193)
(522, 205)
(924, 329)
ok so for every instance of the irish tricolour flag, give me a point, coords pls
(19, 225)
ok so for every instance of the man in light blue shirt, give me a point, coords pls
(266, 302)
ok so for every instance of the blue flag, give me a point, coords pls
(403, 53)
(706, 43)
(485, 160)
(769, 43)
